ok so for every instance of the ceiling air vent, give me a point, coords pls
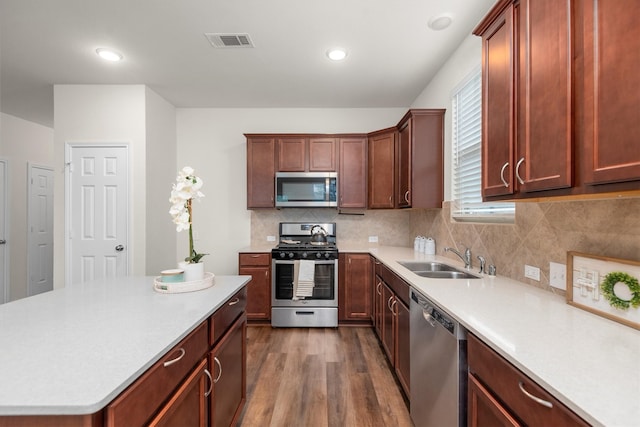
(229, 40)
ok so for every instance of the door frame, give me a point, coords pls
(68, 149)
(30, 168)
(5, 260)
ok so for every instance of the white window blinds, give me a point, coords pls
(467, 161)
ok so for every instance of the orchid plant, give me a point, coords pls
(185, 190)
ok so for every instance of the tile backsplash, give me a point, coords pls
(542, 232)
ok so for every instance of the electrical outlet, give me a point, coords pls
(558, 275)
(271, 238)
(373, 239)
(532, 272)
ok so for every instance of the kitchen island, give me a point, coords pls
(72, 351)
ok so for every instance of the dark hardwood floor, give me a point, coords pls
(320, 377)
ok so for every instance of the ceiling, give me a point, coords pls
(392, 52)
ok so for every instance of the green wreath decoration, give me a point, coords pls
(610, 281)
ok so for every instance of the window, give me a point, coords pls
(467, 158)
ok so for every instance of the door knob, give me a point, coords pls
(119, 248)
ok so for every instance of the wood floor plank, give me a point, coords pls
(320, 377)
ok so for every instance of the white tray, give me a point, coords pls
(180, 287)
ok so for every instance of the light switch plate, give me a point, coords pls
(532, 272)
(271, 238)
(373, 239)
(558, 275)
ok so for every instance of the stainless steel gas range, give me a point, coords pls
(304, 291)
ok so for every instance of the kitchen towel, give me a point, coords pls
(306, 279)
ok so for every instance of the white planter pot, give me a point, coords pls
(192, 272)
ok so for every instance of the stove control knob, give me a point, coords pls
(281, 254)
(290, 254)
(304, 254)
(327, 255)
(318, 255)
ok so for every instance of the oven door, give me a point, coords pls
(325, 290)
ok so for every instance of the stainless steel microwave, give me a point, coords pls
(307, 189)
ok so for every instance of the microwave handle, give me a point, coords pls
(327, 183)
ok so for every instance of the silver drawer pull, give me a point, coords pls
(534, 398)
(518, 170)
(207, 373)
(215, 359)
(177, 359)
(506, 184)
(235, 301)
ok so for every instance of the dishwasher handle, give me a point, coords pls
(433, 315)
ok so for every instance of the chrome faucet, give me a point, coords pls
(466, 257)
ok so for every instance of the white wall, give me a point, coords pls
(161, 172)
(22, 142)
(102, 114)
(212, 141)
(437, 94)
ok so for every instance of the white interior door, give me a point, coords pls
(97, 212)
(4, 251)
(40, 229)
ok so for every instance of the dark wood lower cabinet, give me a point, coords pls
(227, 362)
(484, 409)
(402, 344)
(188, 406)
(354, 288)
(388, 323)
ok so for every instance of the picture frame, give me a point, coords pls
(608, 287)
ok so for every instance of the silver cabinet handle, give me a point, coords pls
(378, 288)
(235, 301)
(506, 184)
(534, 398)
(255, 256)
(215, 359)
(119, 248)
(2, 241)
(208, 374)
(518, 169)
(406, 196)
(393, 304)
(177, 359)
(389, 303)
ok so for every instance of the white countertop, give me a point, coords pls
(589, 363)
(73, 350)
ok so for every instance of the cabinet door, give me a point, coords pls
(388, 323)
(545, 146)
(356, 287)
(403, 346)
(292, 154)
(378, 306)
(381, 153)
(352, 178)
(258, 292)
(322, 155)
(261, 172)
(610, 56)
(227, 363)
(498, 113)
(188, 406)
(484, 410)
(404, 165)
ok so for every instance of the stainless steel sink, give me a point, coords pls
(436, 270)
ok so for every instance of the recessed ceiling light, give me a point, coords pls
(109, 55)
(337, 54)
(440, 22)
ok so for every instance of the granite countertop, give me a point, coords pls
(73, 350)
(586, 361)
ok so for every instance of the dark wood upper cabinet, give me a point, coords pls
(381, 172)
(544, 132)
(261, 172)
(420, 159)
(608, 58)
(302, 154)
(323, 155)
(292, 154)
(352, 176)
(559, 103)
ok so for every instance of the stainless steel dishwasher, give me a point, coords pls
(438, 363)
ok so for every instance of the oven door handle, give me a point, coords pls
(323, 262)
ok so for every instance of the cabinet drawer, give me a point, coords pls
(399, 286)
(141, 400)
(255, 259)
(511, 387)
(224, 317)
